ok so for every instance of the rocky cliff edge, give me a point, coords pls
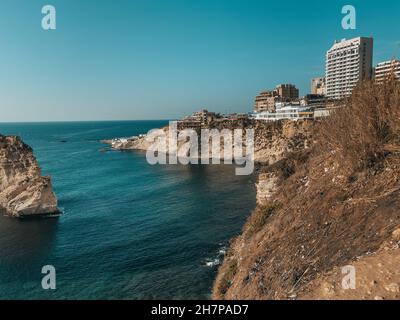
(23, 191)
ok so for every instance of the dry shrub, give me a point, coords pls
(289, 165)
(227, 278)
(260, 217)
(366, 127)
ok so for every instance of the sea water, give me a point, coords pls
(129, 230)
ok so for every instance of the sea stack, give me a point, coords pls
(23, 190)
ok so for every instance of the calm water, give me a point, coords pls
(130, 230)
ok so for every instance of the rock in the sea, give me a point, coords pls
(23, 191)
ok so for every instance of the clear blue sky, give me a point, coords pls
(162, 59)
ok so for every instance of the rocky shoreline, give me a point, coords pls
(325, 200)
(271, 142)
(24, 193)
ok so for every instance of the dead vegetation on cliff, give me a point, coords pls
(337, 202)
(367, 129)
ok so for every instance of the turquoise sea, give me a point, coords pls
(129, 230)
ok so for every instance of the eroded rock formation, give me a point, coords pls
(272, 140)
(23, 191)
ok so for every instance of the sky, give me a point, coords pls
(163, 59)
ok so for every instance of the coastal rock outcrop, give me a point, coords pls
(266, 188)
(272, 140)
(132, 143)
(23, 191)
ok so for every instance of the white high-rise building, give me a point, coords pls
(385, 69)
(347, 63)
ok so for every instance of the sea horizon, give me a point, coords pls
(83, 121)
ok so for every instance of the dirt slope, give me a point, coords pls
(331, 204)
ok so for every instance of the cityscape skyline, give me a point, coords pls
(136, 60)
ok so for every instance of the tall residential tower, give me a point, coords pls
(347, 63)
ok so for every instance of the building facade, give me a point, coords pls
(318, 86)
(265, 101)
(314, 100)
(347, 63)
(385, 69)
(286, 112)
(287, 92)
(198, 119)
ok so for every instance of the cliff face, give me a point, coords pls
(23, 191)
(310, 225)
(333, 205)
(272, 140)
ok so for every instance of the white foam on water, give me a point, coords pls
(212, 263)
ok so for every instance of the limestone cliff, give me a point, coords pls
(23, 191)
(313, 218)
(272, 140)
(335, 204)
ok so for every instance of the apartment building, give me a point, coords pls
(265, 101)
(347, 63)
(198, 119)
(318, 86)
(287, 92)
(314, 100)
(384, 69)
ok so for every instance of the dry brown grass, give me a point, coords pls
(226, 280)
(366, 128)
(260, 217)
(328, 217)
